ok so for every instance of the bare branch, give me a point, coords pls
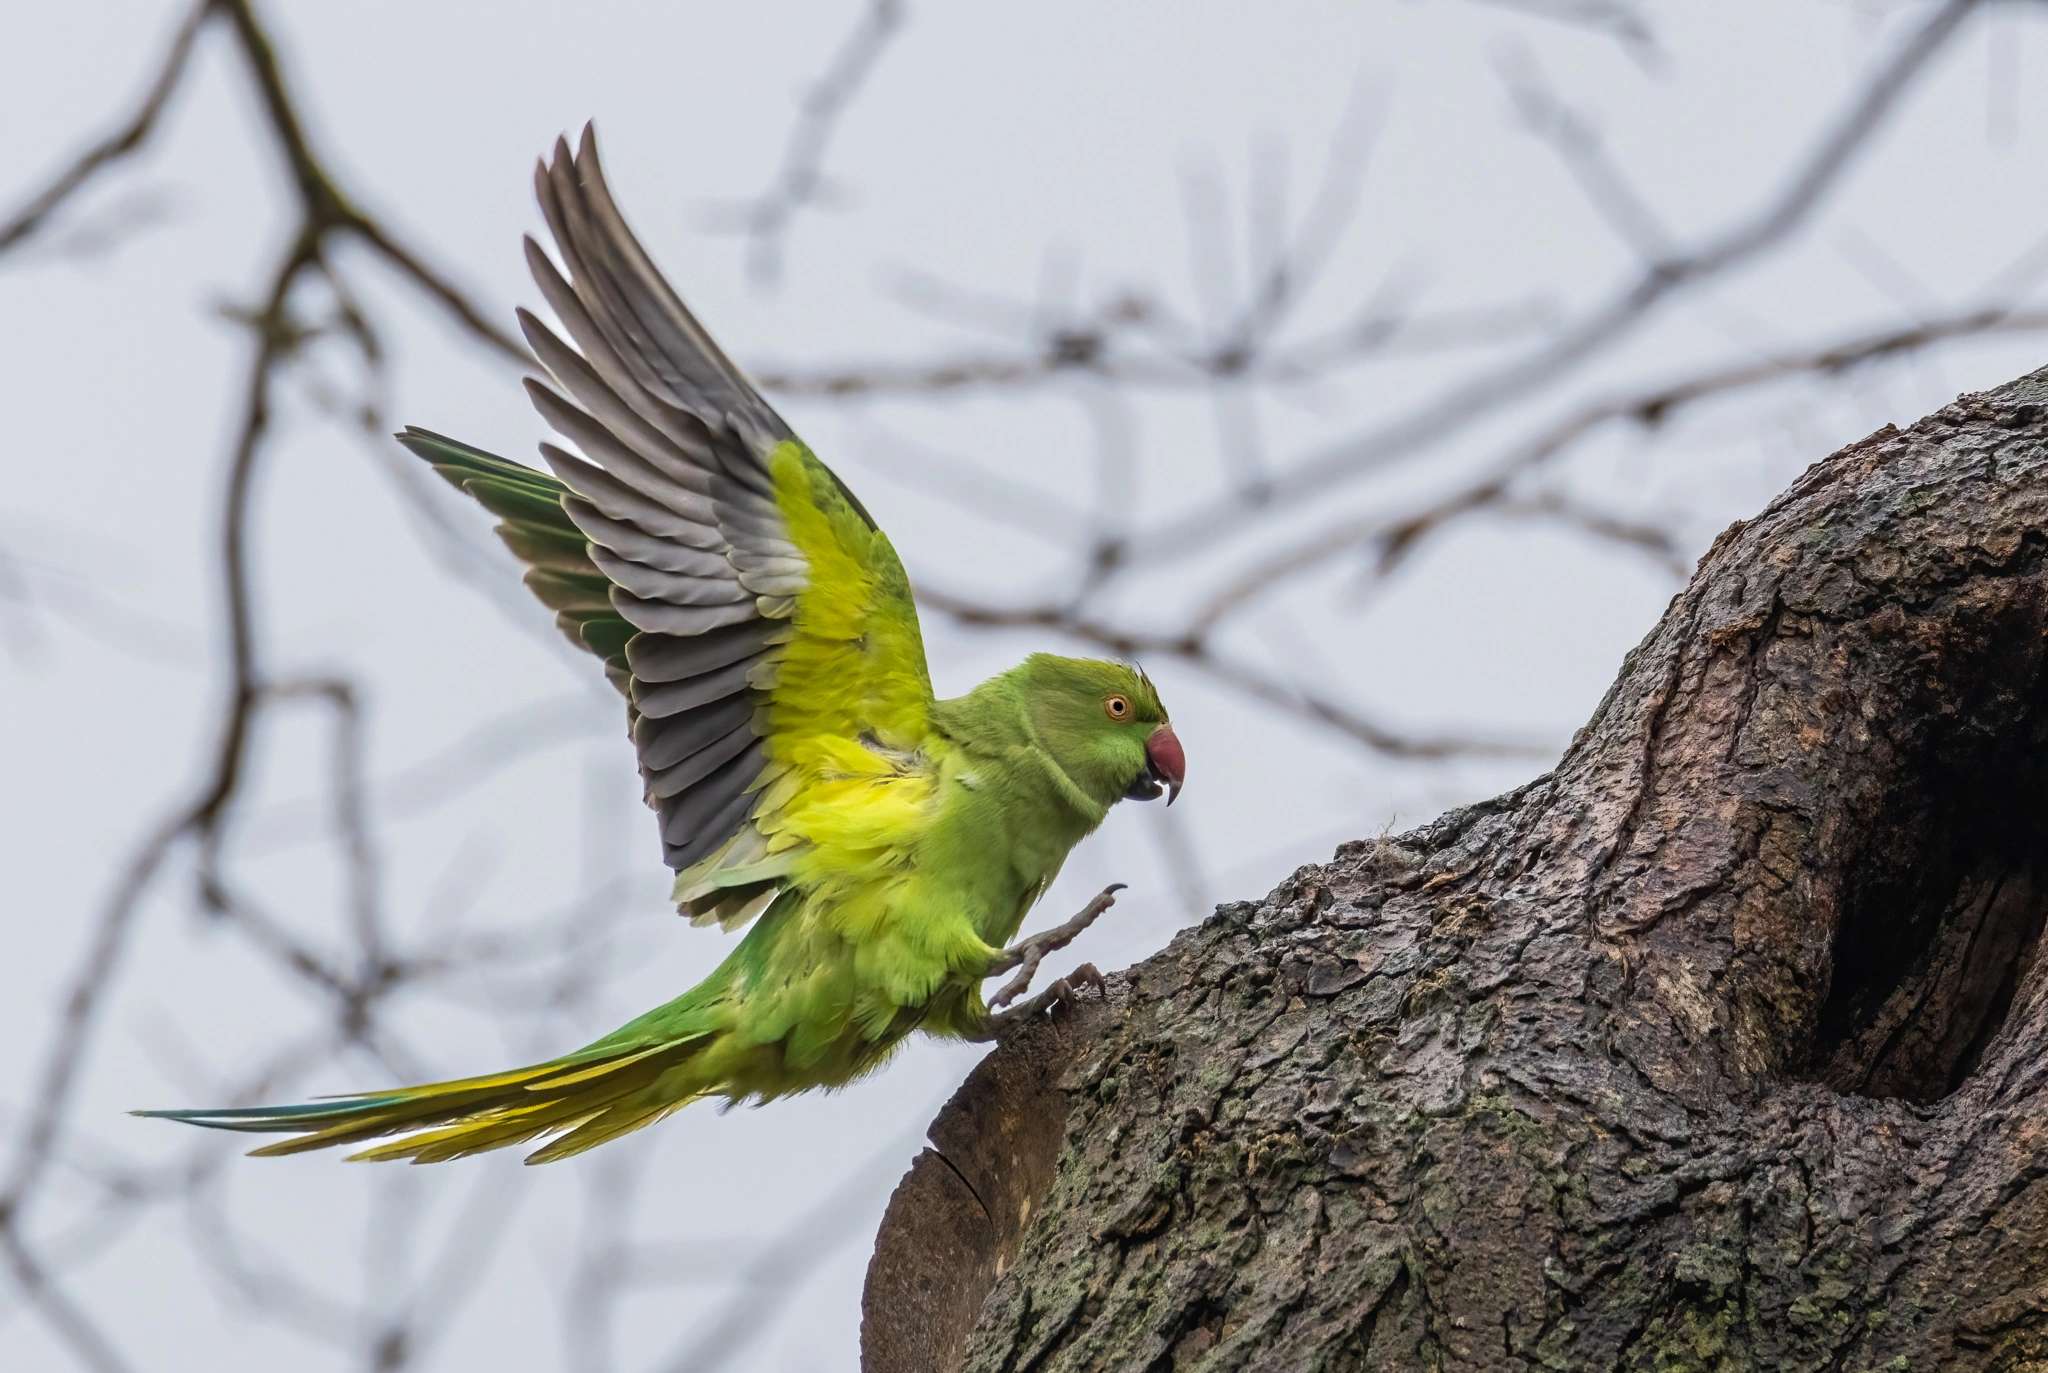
(972, 487)
(1654, 541)
(1653, 406)
(1106, 348)
(1197, 654)
(279, 336)
(124, 141)
(349, 806)
(1433, 423)
(76, 1329)
(1391, 538)
(777, 1273)
(1283, 279)
(1578, 145)
(478, 755)
(1618, 19)
(327, 209)
(1177, 854)
(799, 182)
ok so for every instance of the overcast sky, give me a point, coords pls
(1030, 152)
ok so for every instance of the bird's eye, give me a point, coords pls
(1117, 707)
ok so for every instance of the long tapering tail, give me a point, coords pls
(584, 1100)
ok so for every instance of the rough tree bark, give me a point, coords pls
(1723, 1045)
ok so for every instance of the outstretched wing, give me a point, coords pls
(757, 621)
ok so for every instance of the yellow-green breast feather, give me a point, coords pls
(849, 784)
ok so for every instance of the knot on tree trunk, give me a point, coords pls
(1723, 1045)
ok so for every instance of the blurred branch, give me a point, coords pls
(349, 808)
(1199, 653)
(799, 182)
(325, 210)
(1107, 557)
(1181, 858)
(1618, 19)
(1097, 350)
(777, 1272)
(280, 333)
(1285, 268)
(1578, 145)
(1390, 539)
(1430, 425)
(1657, 404)
(119, 144)
(481, 753)
(1104, 346)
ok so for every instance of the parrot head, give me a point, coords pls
(1103, 723)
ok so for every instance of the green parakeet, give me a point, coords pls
(885, 845)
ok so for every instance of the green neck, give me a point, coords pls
(991, 721)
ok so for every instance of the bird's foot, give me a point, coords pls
(999, 1024)
(1026, 955)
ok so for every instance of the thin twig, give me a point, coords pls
(1199, 655)
(121, 143)
(799, 182)
(776, 1274)
(278, 336)
(1579, 146)
(1429, 426)
(1618, 19)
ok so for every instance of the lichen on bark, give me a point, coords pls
(1721, 1046)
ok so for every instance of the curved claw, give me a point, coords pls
(1058, 993)
(1029, 953)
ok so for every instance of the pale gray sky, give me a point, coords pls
(1009, 149)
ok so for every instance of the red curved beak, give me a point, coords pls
(1168, 760)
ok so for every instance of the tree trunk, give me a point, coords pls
(1723, 1045)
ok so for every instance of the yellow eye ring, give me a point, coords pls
(1117, 707)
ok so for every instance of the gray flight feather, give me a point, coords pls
(609, 312)
(711, 837)
(663, 658)
(694, 359)
(605, 390)
(683, 536)
(761, 546)
(614, 458)
(769, 564)
(693, 769)
(659, 617)
(656, 699)
(642, 547)
(635, 327)
(746, 526)
(683, 815)
(666, 742)
(757, 518)
(614, 498)
(775, 583)
(621, 459)
(744, 460)
(675, 588)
